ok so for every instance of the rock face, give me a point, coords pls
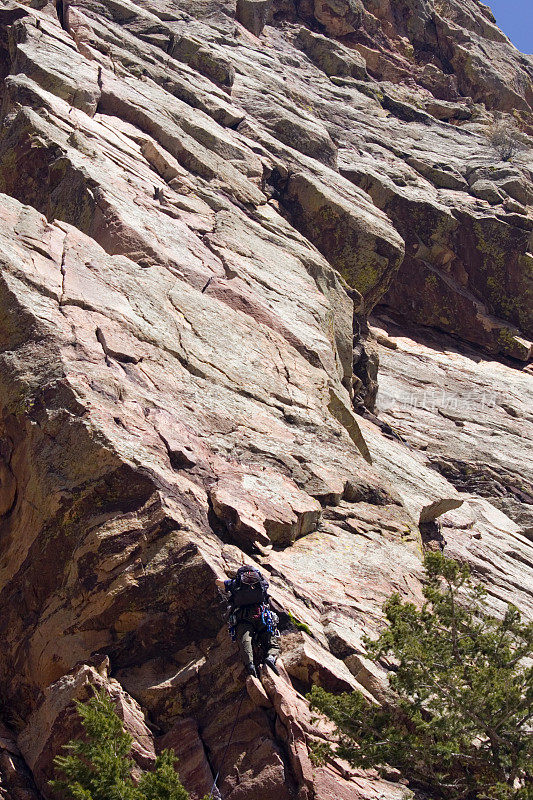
(15, 778)
(470, 416)
(200, 205)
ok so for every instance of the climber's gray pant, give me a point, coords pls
(246, 632)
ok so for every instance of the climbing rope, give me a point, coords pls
(214, 786)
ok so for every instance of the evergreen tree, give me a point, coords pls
(462, 723)
(98, 767)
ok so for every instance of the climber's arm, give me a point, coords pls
(223, 585)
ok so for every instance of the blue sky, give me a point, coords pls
(515, 18)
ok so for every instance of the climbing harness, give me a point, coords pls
(269, 620)
(214, 787)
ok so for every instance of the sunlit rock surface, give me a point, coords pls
(200, 205)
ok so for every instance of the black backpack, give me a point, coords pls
(249, 588)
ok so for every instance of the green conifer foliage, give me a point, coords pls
(98, 767)
(462, 723)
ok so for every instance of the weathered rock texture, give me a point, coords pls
(470, 416)
(200, 205)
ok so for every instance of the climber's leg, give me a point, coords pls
(270, 647)
(273, 646)
(244, 635)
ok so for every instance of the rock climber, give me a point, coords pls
(251, 621)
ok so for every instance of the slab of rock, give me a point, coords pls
(297, 130)
(371, 677)
(204, 59)
(194, 770)
(263, 507)
(348, 567)
(332, 57)
(463, 264)
(298, 727)
(54, 63)
(440, 174)
(441, 109)
(311, 664)
(424, 492)
(55, 721)
(287, 707)
(331, 783)
(339, 17)
(487, 190)
(471, 319)
(468, 415)
(172, 315)
(343, 634)
(16, 781)
(361, 245)
(257, 694)
(499, 555)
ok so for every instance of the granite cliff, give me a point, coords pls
(216, 218)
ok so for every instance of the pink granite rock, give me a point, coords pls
(194, 769)
(197, 214)
(264, 507)
(55, 721)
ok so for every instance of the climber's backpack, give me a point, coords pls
(249, 588)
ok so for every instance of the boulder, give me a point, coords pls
(204, 59)
(487, 190)
(441, 175)
(297, 129)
